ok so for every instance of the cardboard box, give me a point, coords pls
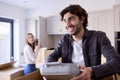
(32, 76)
(6, 65)
(11, 73)
(42, 55)
(17, 73)
(117, 77)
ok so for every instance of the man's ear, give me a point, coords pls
(82, 19)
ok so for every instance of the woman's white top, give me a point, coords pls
(77, 56)
(30, 56)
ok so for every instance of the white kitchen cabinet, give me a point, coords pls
(105, 22)
(97, 20)
(30, 26)
(102, 21)
(91, 21)
(37, 26)
(117, 17)
(55, 25)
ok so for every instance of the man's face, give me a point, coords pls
(73, 23)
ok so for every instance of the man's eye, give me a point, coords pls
(71, 18)
(64, 20)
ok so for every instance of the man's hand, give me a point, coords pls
(85, 75)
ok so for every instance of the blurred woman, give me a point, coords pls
(30, 53)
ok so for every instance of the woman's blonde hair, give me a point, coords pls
(32, 46)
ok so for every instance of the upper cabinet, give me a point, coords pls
(91, 21)
(102, 21)
(37, 26)
(117, 17)
(30, 25)
(55, 26)
(98, 20)
(105, 22)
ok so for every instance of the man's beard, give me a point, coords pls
(78, 29)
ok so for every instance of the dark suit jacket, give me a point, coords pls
(94, 44)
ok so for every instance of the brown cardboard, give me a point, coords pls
(58, 77)
(17, 74)
(6, 65)
(117, 77)
(68, 77)
(11, 73)
(32, 76)
(42, 55)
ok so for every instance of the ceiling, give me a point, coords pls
(47, 8)
(30, 4)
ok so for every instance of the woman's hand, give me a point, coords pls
(39, 45)
(85, 75)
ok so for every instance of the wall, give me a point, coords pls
(18, 14)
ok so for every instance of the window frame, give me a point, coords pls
(11, 21)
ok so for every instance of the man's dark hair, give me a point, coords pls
(76, 10)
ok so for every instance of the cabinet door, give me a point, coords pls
(117, 17)
(55, 26)
(91, 21)
(30, 26)
(38, 28)
(104, 22)
(61, 26)
(51, 23)
(42, 35)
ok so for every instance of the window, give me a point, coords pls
(6, 40)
